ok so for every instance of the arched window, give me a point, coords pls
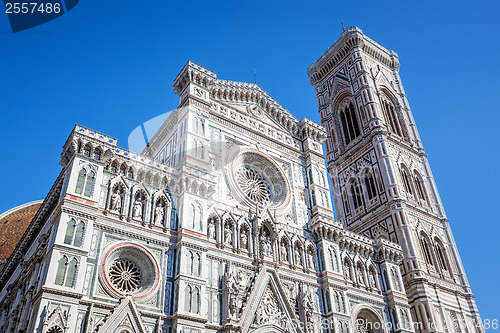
(419, 187)
(391, 118)
(70, 230)
(123, 169)
(197, 264)
(193, 216)
(72, 238)
(114, 167)
(357, 201)
(424, 244)
(61, 271)
(187, 299)
(147, 179)
(406, 180)
(80, 181)
(370, 185)
(195, 306)
(86, 150)
(87, 181)
(79, 234)
(350, 125)
(97, 154)
(395, 279)
(71, 273)
(338, 301)
(441, 256)
(66, 272)
(130, 173)
(333, 259)
(386, 281)
(328, 301)
(89, 184)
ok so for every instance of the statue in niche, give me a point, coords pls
(159, 214)
(116, 202)
(266, 245)
(137, 211)
(310, 258)
(373, 283)
(232, 289)
(361, 277)
(211, 230)
(347, 271)
(244, 239)
(284, 252)
(298, 256)
(228, 234)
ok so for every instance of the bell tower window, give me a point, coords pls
(356, 195)
(350, 125)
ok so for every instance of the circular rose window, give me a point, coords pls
(125, 275)
(257, 180)
(129, 269)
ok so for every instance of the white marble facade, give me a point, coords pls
(223, 223)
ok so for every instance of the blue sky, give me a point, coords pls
(110, 66)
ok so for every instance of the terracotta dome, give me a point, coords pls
(13, 224)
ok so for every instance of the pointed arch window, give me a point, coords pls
(350, 125)
(61, 271)
(333, 259)
(114, 167)
(80, 181)
(391, 118)
(424, 244)
(74, 238)
(395, 279)
(420, 187)
(406, 180)
(70, 229)
(192, 299)
(97, 154)
(357, 200)
(86, 150)
(441, 255)
(386, 280)
(89, 184)
(187, 299)
(85, 183)
(66, 272)
(370, 185)
(195, 305)
(78, 240)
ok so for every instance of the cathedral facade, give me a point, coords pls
(224, 223)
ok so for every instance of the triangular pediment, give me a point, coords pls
(124, 317)
(267, 308)
(256, 113)
(384, 81)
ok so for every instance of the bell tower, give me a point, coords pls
(382, 182)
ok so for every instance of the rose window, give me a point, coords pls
(125, 275)
(256, 179)
(253, 185)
